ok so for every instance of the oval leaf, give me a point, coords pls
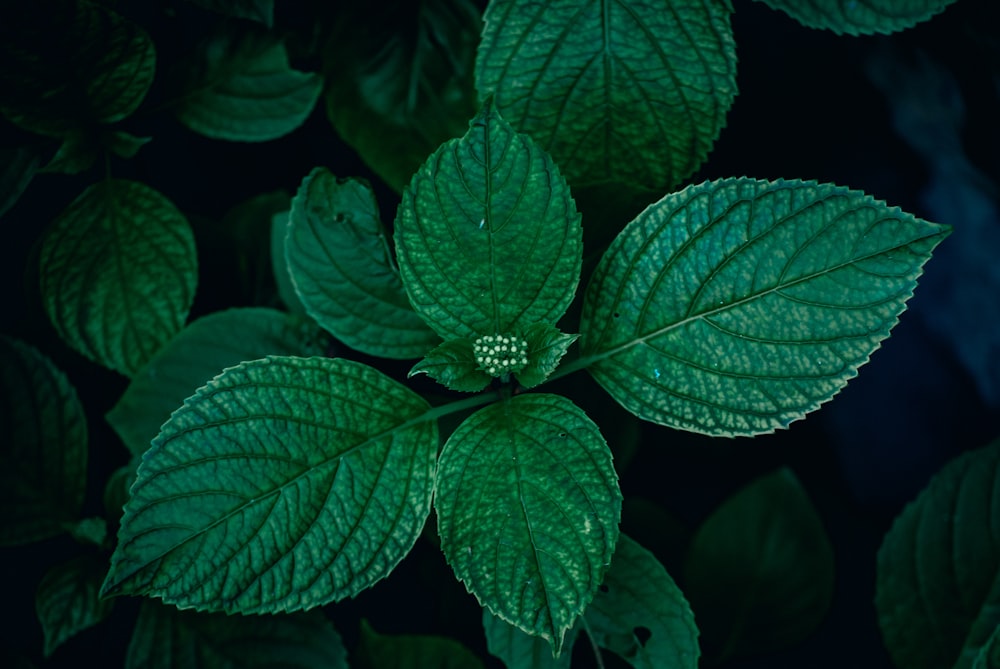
(860, 18)
(488, 238)
(283, 484)
(118, 273)
(66, 601)
(737, 306)
(528, 508)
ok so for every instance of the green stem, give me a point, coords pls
(593, 643)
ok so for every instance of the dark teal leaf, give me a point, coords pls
(989, 654)
(279, 264)
(92, 531)
(66, 601)
(17, 169)
(546, 347)
(261, 11)
(519, 650)
(867, 17)
(81, 148)
(737, 306)
(384, 651)
(116, 489)
(453, 365)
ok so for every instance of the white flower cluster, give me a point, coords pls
(500, 354)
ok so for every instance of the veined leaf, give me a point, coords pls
(937, 589)
(488, 238)
(118, 273)
(546, 347)
(283, 484)
(860, 18)
(453, 364)
(734, 307)
(410, 651)
(340, 262)
(279, 264)
(43, 452)
(625, 91)
(528, 509)
(66, 601)
(516, 648)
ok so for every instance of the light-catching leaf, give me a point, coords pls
(339, 258)
(734, 307)
(937, 589)
(43, 450)
(66, 601)
(517, 649)
(410, 651)
(453, 364)
(546, 347)
(528, 508)
(630, 92)
(867, 17)
(488, 238)
(118, 273)
(283, 484)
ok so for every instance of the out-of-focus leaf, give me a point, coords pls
(520, 650)
(261, 11)
(410, 651)
(66, 601)
(17, 168)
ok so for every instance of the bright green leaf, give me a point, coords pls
(118, 273)
(66, 601)
(43, 451)
(453, 365)
(546, 347)
(938, 582)
(340, 262)
(631, 92)
(283, 484)
(860, 18)
(384, 651)
(528, 508)
(488, 238)
(737, 306)
(518, 650)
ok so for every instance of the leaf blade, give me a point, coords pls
(66, 601)
(860, 18)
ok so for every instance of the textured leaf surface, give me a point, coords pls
(165, 638)
(43, 451)
(341, 265)
(737, 306)
(515, 648)
(488, 238)
(454, 365)
(938, 581)
(864, 17)
(546, 347)
(410, 651)
(199, 352)
(118, 273)
(66, 601)
(626, 91)
(283, 484)
(528, 508)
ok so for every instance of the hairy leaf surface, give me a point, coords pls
(66, 601)
(866, 17)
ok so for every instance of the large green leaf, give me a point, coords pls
(66, 601)
(519, 650)
(283, 484)
(860, 18)
(199, 352)
(734, 307)
(410, 651)
(528, 508)
(43, 450)
(488, 238)
(629, 92)
(165, 638)
(938, 581)
(340, 262)
(118, 273)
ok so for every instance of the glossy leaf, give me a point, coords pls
(937, 592)
(118, 273)
(66, 601)
(488, 238)
(43, 452)
(630, 92)
(516, 648)
(860, 18)
(454, 365)
(283, 484)
(339, 258)
(411, 651)
(737, 306)
(528, 508)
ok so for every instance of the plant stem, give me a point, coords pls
(593, 643)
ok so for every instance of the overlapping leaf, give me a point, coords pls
(411, 651)
(860, 18)
(516, 648)
(66, 601)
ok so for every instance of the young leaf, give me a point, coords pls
(118, 273)
(383, 651)
(283, 484)
(66, 601)
(43, 452)
(517, 649)
(454, 365)
(737, 306)
(528, 508)
(936, 590)
(546, 347)
(340, 262)
(488, 238)
(860, 18)
(631, 92)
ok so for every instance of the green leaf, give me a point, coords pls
(630, 92)
(937, 588)
(116, 489)
(737, 306)
(860, 18)
(90, 531)
(340, 262)
(283, 484)
(261, 11)
(454, 365)
(118, 273)
(43, 452)
(989, 654)
(759, 572)
(66, 601)
(518, 650)
(17, 169)
(165, 638)
(528, 508)
(279, 264)
(384, 651)
(199, 352)
(488, 238)
(400, 80)
(546, 347)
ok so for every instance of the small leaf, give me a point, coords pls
(66, 602)
(283, 484)
(124, 144)
(340, 262)
(737, 306)
(546, 347)
(116, 489)
(630, 92)
(17, 169)
(76, 154)
(937, 587)
(43, 452)
(118, 273)
(860, 18)
(518, 650)
(528, 508)
(92, 530)
(488, 238)
(384, 651)
(279, 264)
(454, 365)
